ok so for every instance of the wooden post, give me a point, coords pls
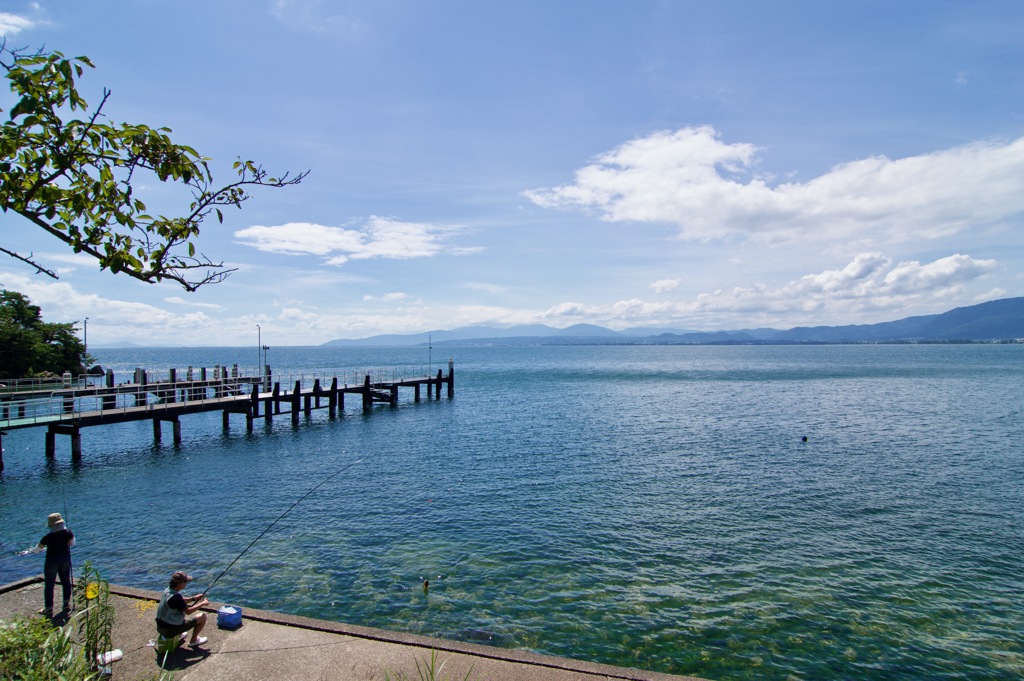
(254, 399)
(225, 421)
(394, 395)
(367, 396)
(451, 378)
(416, 390)
(316, 392)
(277, 398)
(271, 403)
(296, 395)
(332, 400)
(437, 386)
(175, 428)
(248, 418)
(60, 429)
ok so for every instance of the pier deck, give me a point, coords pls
(65, 410)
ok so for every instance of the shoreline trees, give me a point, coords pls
(31, 346)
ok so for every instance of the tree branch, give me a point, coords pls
(39, 268)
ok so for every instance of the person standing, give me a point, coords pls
(57, 565)
(174, 615)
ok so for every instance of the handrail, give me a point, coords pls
(54, 406)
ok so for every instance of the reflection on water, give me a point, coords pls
(647, 507)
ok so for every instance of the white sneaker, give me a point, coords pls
(198, 642)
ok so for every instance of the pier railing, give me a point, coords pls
(68, 406)
(26, 402)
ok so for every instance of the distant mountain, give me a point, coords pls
(441, 336)
(996, 320)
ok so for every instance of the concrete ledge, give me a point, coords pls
(272, 645)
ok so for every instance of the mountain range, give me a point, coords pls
(996, 320)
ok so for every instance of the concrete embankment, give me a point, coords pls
(271, 646)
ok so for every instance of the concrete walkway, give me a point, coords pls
(270, 646)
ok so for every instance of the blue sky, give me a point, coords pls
(689, 165)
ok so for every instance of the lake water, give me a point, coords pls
(652, 507)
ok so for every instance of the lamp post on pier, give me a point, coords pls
(259, 342)
(85, 344)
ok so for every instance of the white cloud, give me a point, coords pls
(869, 289)
(496, 289)
(178, 300)
(869, 282)
(912, 277)
(665, 285)
(994, 294)
(296, 314)
(11, 24)
(709, 189)
(378, 238)
(386, 298)
(570, 310)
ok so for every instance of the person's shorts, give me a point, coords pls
(168, 630)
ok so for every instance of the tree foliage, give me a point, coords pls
(32, 346)
(74, 178)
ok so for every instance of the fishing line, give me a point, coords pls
(323, 482)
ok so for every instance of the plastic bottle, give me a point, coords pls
(109, 656)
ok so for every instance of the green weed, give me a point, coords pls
(428, 671)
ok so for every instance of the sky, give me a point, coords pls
(658, 164)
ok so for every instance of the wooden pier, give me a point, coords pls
(65, 410)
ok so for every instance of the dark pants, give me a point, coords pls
(50, 575)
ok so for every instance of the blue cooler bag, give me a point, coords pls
(229, 617)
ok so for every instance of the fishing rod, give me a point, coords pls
(322, 482)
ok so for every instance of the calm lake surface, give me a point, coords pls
(651, 507)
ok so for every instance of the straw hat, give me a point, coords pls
(54, 519)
